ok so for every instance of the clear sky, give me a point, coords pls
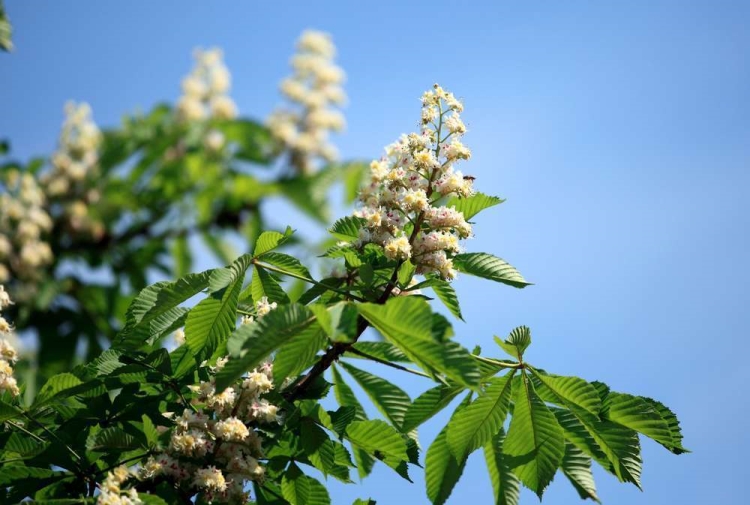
(619, 132)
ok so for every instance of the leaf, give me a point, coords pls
(447, 295)
(489, 267)
(286, 263)
(381, 350)
(297, 354)
(8, 411)
(428, 404)
(517, 342)
(211, 321)
(505, 484)
(150, 431)
(112, 438)
(253, 141)
(635, 413)
(270, 240)
(535, 444)
(577, 468)
(670, 418)
(347, 228)
(57, 385)
(471, 428)
(154, 301)
(252, 343)
(11, 473)
(570, 390)
(6, 30)
(473, 205)
(389, 399)
(377, 438)
(264, 285)
(300, 489)
(407, 323)
(346, 398)
(442, 468)
(182, 257)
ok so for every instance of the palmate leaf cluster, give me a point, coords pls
(529, 423)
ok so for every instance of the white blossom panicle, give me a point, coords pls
(315, 91)
(111, 492)
(400, 202)
(8, 354)
(205, 92)
(24, 221)
(220, 428)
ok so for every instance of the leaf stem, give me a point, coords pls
(306, 279)
(356, 351)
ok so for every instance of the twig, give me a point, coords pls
(354, 350)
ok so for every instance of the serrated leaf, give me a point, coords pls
(635, 413)
(471, 428)
(11, 473)
(407, 323)
(570, 390)
(442, 468)
(489, 267)
(286, 263)
(473, 205)
(8, 411)
(577, 468)
(252, 343)
(428, 404)
(211, 321)
(300, 489)
(298, 353)
(270, 240)
(535, 445)
(346, 398)
(264, 285)
(347, 228)
(389, 399)
(517, 342)
(670, 418)
(113, 438)
(377, 438)
(57, 385)
(447, 295)
(381, 350)
(505, 484)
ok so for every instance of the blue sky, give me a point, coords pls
(619, 133)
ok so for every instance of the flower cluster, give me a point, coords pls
(69, 185)
(205, 89)
(401, 202)
(315, 88)
(8, 355)
(220, 427)
(110, 492)
(23, 222)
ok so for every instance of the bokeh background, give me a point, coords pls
(618, 132)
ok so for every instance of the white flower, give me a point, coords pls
(210, 478)
(231, 429)
(263, 307)
(4, 298)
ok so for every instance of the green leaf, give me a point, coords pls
(112, 438)
(250, 344)
(150, 430)
(406, 273)
(517, 342)
(346, 398)
(211, 321)
(489, 267)
(11, 473)
(286, 263)
(505, 484)
(347, 228)
(570, 390)
(473, 205)
(670, 418)
(6, 30)
(577, 468)
(264, 285)
(8, 411)
(380, 350)
(300, 489)
(154, 301)
(57, 385)
(183, 258)
(635, 413)
(377, 438)
(270, 240)
(298, 353)
(389, 399)
(428, 404)
(447, 295)
(442, 468)
(253, 141)
(407, 323)
(535, 444)
(360, 501)
(471, 428)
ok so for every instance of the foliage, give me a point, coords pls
(147, 422)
